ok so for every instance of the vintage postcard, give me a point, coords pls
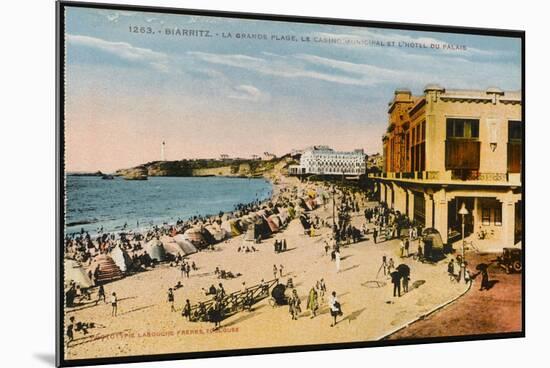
(236, 183)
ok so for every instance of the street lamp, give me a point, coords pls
(463, 211)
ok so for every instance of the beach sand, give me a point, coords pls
(145, 324)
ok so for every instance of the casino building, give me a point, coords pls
(322, 160)
(447, 148)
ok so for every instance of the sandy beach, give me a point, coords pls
(146, 325)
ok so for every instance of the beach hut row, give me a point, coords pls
(112, 266)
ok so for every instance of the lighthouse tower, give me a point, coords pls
(162, 151)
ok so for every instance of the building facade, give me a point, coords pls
(322, 160)
(446, 148)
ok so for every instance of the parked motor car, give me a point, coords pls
(511, 260)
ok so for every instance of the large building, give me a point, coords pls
(446, 148)
(322, 160)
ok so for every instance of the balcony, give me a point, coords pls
(452, 177)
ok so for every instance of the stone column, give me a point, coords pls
(382, 187)
(509, 218)
(410, 214)
(441, 214)
(428, 206)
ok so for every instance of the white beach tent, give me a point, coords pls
(156, 250)
(121, 258)
(74, 272)
(217, 232)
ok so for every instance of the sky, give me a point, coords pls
(217, 93)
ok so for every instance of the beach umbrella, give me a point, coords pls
(403, 270)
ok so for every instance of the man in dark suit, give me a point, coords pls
(396, 281)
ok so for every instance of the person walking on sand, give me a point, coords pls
(484, 280)
(294, 305)
(114, 304)
(275, 271)
(70, 331)
(451, 270)
(186, 312)
(281, 270)
(375, 234)
(405, 279)
(101, 295)
(401, 248)
(171, 300)
(407, 245)
(396, 281)
(391, 265)
(335, 308)
(313, 302)
(182, 269)
(337, 259)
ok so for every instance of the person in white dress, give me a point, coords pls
(335, 309)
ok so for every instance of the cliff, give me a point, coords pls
(188, 168)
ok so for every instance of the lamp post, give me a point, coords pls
(334, 211)
(463, 212)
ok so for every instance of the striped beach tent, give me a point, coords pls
(196, 237)
(173, 248)
(186, 246)
(274, 223)
(106, 268)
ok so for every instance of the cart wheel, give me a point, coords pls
(272, 302)
(517, 266)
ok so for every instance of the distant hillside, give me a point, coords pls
(187, 168)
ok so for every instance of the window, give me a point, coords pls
(515, 147)
(514, 131)
(498, 216)
(463, 128)
(486, 216)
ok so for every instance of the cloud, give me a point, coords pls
(285, 67)
(123, 50)
(248, 93)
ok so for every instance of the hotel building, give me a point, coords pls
(322, 160)
(446, 148)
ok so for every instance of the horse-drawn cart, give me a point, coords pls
(222, 307)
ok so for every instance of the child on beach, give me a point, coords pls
(171, 300)
(114, 304)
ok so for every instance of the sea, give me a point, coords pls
(93, 203)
